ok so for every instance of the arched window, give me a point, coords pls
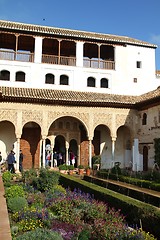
(20, 76)
(104, 83)
(63, 80)
(60, 125)
(144, 119)
(67, 125)
(49, 78)
(5, 75)
(91, 82)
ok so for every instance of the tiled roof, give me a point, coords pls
(71, 33)
(150, 96)
(64, 97)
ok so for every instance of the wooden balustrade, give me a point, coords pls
(52, 59)
(18, 56)
(102, 64)
(69, 61)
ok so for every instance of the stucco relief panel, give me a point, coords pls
(101, 118)
(121, 120)
(9, 115)
(32, 116)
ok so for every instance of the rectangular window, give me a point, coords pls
(139, 64)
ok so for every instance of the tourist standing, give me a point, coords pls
(20, 161)
(72, 158)
(55, 157)
(48, 159)
(11, 161)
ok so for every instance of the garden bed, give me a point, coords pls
(40, 208)
(139, 193)
(136, 212)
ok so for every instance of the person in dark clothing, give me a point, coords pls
(11, 161)
(20, 161)
(55, 158)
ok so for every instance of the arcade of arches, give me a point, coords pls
(83, 131)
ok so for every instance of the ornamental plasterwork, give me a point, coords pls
(121, 120)
(83, 117)
(32, 116)
(100, 118)
(9, 115)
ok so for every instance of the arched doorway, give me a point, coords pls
(73, 147)
(102, 145)
(7, 138)
(30, 145)
(60, 148)
(123, 152)
(68, 132)
(145, 158)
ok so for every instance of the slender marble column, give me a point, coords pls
(113, 150)
(17, 154)
(44, 152)
(90, 152)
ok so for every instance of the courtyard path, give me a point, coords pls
(5, 233)
(132, 187)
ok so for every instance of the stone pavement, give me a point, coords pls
(5, 233)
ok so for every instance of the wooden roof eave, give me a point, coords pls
(38, 29)
(66, 102)
(148, 103)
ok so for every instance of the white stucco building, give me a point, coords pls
(80, 91)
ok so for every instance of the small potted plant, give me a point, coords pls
(80, 169)
(96, 161)
(71, 169)
(63, 168)
(88, 170)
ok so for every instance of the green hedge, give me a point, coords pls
(125, 189)
(135, 181)
(134, 210)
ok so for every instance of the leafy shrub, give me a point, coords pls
(85, 234)
(59, 189)
(36, 199)
(63, 167)
(14, 231)
(81, 167)
(116, 169)
(70, 167)
(29, 175)
(7, 176)
(47, 180)
(39, 233)
(16, 204)
(96, 159)
(14, 191)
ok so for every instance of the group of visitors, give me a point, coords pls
(57, 158)
(11, 161)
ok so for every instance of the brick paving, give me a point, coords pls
(5, 233)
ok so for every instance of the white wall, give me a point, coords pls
(120, 79)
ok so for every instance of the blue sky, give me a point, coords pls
(134, 18)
